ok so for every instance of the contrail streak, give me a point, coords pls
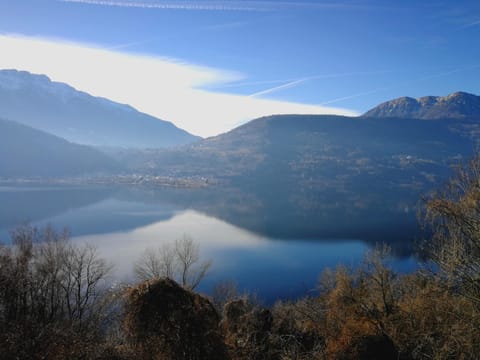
(433, 76)
(218, 6)
(250, 83)
(127, 45)
(353, 96)
(470, 24)
(276, 88)
(295, 82)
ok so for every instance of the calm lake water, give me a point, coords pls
(272, 248)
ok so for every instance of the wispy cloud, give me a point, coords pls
(473, 23)
(167, 88)
(226, 26)
(179, 5)
(409, 82)
(223, 5)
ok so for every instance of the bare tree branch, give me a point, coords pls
(179, 260)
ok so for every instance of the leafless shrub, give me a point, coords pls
(53, 297)
(453, 215)
(224, 292)
(179, 261)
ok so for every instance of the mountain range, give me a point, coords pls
(76, 116)
(355, 176)
(319, 151)
(402, 144)
(459, 105)
(361, 174)
(26, 152)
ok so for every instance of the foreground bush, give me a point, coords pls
(165, 321)
(371, 313)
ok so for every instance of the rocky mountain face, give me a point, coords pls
(459, 105)
(76, 116)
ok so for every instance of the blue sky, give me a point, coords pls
(215, 64)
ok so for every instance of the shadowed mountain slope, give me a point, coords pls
(323, 151)
(25, 151)
(59, 109)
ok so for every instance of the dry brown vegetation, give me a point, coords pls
(166, 321)
(53, 299)
(54, 303)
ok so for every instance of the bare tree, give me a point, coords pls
(453, 214)
(188, 256)
(223, 292)
(179, 261)
(82, 280)
(53, 293)
(157, 263)
(379, 280)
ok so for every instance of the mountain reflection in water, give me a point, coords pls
(275, 246)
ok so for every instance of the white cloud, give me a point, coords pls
(163, 87)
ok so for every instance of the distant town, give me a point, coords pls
(133, 179)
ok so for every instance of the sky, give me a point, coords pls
(211, 65)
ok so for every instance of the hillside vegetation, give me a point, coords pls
(318, 151)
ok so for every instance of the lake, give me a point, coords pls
(273, 245)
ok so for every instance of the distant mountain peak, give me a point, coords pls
(458, 105)
(58, 108)
(15, 79)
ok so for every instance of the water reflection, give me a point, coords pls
(271, 269)
(269, 243)
(213, 236)
(20, 204)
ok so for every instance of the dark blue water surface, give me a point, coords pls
(275, 250)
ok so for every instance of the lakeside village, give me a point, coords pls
(104, 180)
